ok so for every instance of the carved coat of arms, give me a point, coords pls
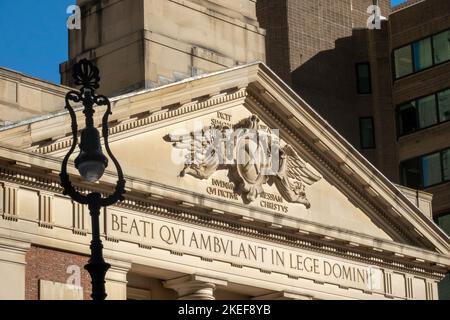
(253, 156)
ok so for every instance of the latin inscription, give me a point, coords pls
(222, 189)
(225, 189)
(273, 202)
(222, 119)
(236, 250)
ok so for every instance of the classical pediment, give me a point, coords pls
(233, 161)
(241, 144)
(253, 156)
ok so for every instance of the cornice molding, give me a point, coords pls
(32, 82)
(165, 114)
(257, 73)
(333, 247)
(365, 175)
(134, 123)
(331, 169)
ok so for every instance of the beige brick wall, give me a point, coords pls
(142, 44)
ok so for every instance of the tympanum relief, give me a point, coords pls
(253, 155)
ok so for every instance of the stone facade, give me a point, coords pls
(166, 41)
(327, 225)
(351, 234)
(23, 97)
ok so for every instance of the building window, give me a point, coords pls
(446, 164)
(407, 118)
(431, 169)
(443, 221)
(423, 112)
(367, 130)
(363, 78)
(403, 62)
(441, 45)
(411, 173)
(426, 171)
(444, 105)
(422, 54)
(427, 111)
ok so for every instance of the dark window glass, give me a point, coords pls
(431, 169)
(426, 171)
(441, 44)
(407, 118)
(403, 61)
(444, 288)
(427, 111)
(367, 133)
(444, 222)
(411, 175)
(444, 105)
(423, 112)
(446, 164)
(422, 54)
(363, 78)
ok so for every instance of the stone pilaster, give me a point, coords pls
(9, 205)
(45, 209)
(409, 287)
(12, 268)
(116, 279)
(195, 287)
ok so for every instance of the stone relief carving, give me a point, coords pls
(252, 154)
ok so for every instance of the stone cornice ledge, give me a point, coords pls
(305, 117)
(354, 250)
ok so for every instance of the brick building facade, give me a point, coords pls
(45, 264)
(328, 43)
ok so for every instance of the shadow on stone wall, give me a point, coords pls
(327, 83)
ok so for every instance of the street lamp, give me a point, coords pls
(91, 164)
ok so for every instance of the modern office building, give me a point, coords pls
(328, 225)
(385, 90)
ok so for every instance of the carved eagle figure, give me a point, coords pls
(292, 177)
(203, 156)
(207, 151)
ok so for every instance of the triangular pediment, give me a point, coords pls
(321, 187)
(187, 156)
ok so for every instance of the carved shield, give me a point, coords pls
(250, 162)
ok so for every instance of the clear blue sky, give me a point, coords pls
(396, 2)
(33, 36)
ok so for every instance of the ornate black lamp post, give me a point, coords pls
(91, 163)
